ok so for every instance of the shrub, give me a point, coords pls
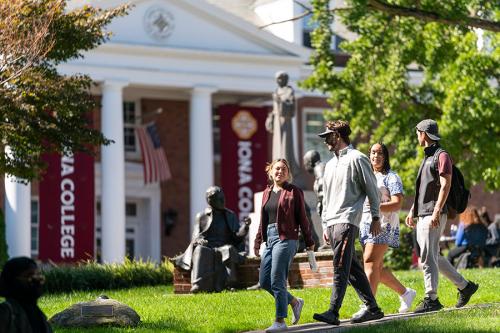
(94, 276)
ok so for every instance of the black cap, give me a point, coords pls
(325, 133)
(430, 127)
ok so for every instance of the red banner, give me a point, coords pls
(243, 148)
(66, 232)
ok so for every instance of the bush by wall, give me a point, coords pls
(94, 276)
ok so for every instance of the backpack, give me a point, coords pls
(459, 195)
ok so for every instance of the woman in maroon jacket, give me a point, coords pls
(282, 212)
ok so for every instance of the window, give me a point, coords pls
(130, 209)
(308, 26)
(35, 222)
(314, 123)
(129, 124)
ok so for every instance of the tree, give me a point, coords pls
(41, 110)
(458, 86)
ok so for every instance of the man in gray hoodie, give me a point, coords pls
(347, 181)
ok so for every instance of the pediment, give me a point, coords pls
(193, 25)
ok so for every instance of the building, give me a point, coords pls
(182, 65)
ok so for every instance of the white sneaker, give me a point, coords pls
(276, 327)
(296, 310)
(362, 309)
(406, 300)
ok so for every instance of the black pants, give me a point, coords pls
(346, 267)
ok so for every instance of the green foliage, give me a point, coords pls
(3, 242)
(41, 110)
(94, 276)
(376, 93)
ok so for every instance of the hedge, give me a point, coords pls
(94, 276)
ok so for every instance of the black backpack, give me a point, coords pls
(459, 195)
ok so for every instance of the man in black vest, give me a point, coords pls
(432, 188)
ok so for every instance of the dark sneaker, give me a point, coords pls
(428, 305)
(465, 294)
(367, 315)
(327, 317)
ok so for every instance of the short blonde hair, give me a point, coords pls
(269, 168)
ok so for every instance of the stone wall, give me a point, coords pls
(300, 275)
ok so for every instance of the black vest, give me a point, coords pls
(427, 185)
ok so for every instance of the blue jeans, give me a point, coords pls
(274, 266)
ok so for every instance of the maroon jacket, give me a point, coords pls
(291, 213)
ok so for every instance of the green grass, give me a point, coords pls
(163, 311)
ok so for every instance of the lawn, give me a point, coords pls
(163, 311)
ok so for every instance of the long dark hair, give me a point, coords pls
(387, 164)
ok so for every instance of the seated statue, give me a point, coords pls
(214, 251)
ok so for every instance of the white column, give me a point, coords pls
(201, 151)
(17, 216)
(155, 227)
(113, 174)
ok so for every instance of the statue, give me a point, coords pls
(214, 251)
(313, 165)
(279, 122)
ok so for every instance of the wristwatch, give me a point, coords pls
(375, 218)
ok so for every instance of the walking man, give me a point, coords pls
(432, 188)
(347, 181)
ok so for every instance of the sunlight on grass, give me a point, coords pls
(162, 311)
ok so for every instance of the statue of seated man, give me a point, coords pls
(214, 251)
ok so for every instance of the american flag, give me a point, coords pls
(153, 156)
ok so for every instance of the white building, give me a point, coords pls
(186, 58)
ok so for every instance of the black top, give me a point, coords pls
(271, 206)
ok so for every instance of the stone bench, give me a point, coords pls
(300, 275)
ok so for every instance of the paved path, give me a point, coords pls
(345, 325)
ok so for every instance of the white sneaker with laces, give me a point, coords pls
(297, 310)
(407, 300)
(362, 309)
(277, 327)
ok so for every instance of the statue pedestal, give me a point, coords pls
(311, 201)
(254, 227)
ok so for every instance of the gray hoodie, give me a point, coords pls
(347, 181)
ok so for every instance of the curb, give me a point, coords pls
(345, 325)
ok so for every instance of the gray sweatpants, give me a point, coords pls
(432, 261)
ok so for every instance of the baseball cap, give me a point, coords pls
(430, 127)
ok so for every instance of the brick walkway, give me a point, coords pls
(345, 325)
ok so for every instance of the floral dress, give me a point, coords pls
(389, 184)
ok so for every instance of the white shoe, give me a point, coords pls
(296, 310)
(362, 309)
(407, 300)
(277, 327)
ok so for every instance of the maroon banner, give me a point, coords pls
(66, 232)
(243, 146)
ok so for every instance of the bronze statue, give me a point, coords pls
(313, 165)
(217, 246)
(279, 122)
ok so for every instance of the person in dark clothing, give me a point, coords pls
(21, 283)
(471, 233)
(432, 186)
